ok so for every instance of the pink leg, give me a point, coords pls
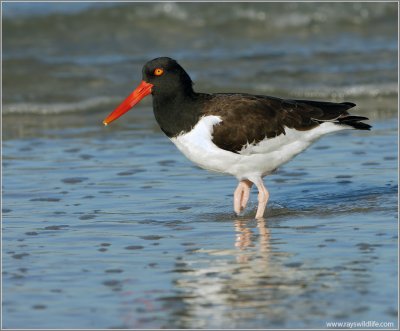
(263, 197)
(246, 194)
(241, 195)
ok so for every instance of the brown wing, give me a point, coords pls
(251, 118)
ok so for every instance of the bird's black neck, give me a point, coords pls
(177, 113)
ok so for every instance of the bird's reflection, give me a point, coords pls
(217, 288)
(243, 235)
(245, 238)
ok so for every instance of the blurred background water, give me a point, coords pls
(112, 227)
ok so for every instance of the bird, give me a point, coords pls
(244, 135)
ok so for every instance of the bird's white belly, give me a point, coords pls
(253, 160)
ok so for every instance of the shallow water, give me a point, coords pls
(114, 228)
(111, 227)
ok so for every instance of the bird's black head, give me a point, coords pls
(167, 77)
(164, 78)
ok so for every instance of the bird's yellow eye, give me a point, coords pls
(158, 72)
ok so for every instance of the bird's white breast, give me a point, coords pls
(198, 147)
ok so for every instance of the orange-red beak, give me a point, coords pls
(138, 94)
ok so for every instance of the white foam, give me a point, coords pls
(55, 108)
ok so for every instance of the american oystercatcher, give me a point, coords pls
(247, 136)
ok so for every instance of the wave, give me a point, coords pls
(363, 90)
(57, 108)
(101, 102)
(304, 50)
(276, 15)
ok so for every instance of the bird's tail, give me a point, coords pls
(355, 122)
(350, 120)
